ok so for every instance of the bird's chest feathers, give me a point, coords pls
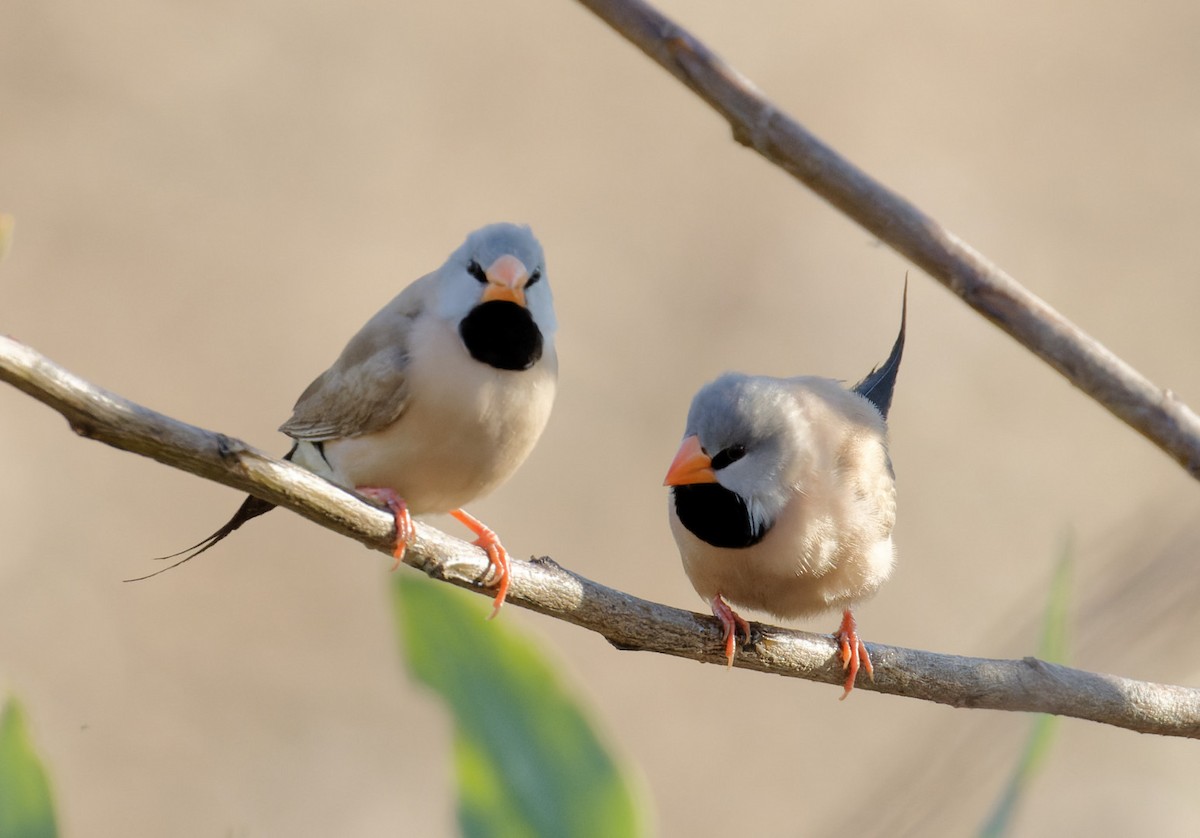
(807, 561)
(465, 428)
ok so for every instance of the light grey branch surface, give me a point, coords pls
(626, 621)
(1154, 412)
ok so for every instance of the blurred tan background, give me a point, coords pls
(211, 198)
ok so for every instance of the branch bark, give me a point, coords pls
(1152, 411)
(626, 621)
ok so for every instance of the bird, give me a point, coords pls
(783, 498)
(438, 398)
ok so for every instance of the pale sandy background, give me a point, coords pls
(211, 197)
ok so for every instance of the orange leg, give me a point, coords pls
(404, 523)
(497, 556)
(853, 651)
(731, 623)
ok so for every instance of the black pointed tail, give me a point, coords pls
(880, 382)
(251, 508)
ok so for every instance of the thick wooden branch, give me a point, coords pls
(1154, 412)
(626, 621)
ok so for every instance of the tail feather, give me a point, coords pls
(251, 508)
(880, 382)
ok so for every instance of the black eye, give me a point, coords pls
(534, 277)
(730, 455)
(476, 270)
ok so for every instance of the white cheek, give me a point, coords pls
(761, 488)
(458, 295)
(541, 307)
(741, 477)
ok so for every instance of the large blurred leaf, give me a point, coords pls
(528, 761)
(1053, 649)
(26, 810)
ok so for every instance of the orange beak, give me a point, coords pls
(506, 280)
(691, 465)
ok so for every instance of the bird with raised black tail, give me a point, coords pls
(439, 397)
(783, 498)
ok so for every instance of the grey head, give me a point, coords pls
(495, 287)
(465, 272)
(747, 425)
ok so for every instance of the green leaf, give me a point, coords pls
(1051, 648)
(528, 761)
(26, 808)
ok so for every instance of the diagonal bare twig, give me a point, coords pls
(1152, 411)
(626, 621)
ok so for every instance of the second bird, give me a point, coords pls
(783, 498)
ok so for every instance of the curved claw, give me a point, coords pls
(731, 623)
(497, 572)
(853, 652)
(404, 523)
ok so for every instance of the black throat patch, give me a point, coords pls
(503, 335)
(715, 515)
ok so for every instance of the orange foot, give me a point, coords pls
(404, 523)
(731, 623)
(853, 652)
(497, 556)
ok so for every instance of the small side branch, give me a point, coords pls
(626, 621)
(1152, 411)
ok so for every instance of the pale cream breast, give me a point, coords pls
(466, 428)
(788, 574)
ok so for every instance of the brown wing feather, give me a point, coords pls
(365, 389)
